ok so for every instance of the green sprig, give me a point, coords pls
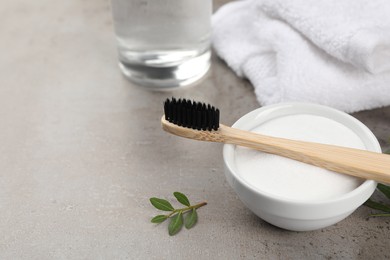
(187, 215)
(384, 208)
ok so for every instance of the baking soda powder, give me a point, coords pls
(286, 178)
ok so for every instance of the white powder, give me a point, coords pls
(291, 179)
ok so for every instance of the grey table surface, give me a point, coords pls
(82, 152)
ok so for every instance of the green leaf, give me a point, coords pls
(375, 205)
(191, 219)
(161, 204)
(384, 189)
(159, 218)
(387, 151)
(182, 198)
(175, 224)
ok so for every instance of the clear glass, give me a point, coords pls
(163, 44)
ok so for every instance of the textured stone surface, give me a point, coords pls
(82, 152)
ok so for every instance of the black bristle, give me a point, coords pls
(169, 108)
(189, 118)
(204, 117)
(179, 119)
(172, 111)
(184, 114)
(198, 116)
(209, 117)
(166, 107)
(216, 120)
(175, 112)
(191, 114)
(211, 111)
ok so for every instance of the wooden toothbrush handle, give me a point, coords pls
(359, 163)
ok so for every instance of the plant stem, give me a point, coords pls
(380, 215)
(183, 210)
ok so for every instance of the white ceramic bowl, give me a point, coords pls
(293, 214)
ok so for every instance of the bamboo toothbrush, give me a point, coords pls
(199, 121)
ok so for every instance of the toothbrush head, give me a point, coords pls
(191, 114)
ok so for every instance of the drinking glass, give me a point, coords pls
(163, 44)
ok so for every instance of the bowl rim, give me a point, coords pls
(229, 150)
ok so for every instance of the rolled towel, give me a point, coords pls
(284, 65)
(354, 31)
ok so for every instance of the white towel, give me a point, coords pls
(354, 31)
(289, 57)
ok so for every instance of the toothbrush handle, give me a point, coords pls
(358, 163)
